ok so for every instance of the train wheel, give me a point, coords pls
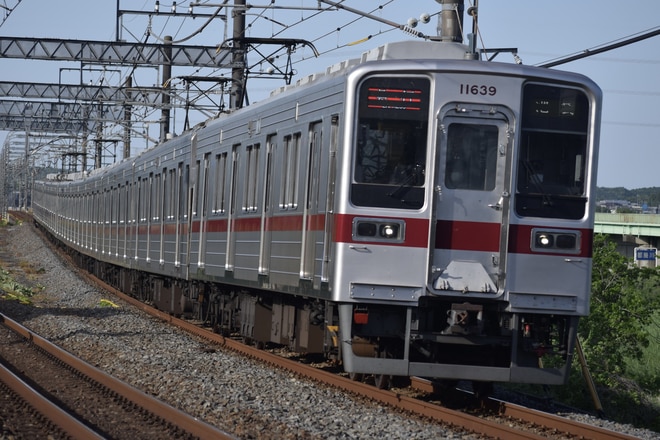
(482, 390)
(383, 381)
(357, 377)
(401, 381)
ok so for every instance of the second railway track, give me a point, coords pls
(83, 401)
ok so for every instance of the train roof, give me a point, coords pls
(419, 51)
(400, 50)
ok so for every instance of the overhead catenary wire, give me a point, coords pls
(603, 48)
(361, 15)
(196, 32)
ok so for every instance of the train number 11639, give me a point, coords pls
(478, 89)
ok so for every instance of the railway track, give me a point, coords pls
(21, 216)
(68, 398)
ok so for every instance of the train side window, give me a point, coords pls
(142, 205)
(167, 198)
(220, 179)
(290, 171)
(233, 189)
(132, 197)
(157, 199)
(271, 146)
(198, 182)
(471, 157)
(283, 175)
(127, 199)
(171, 194)
(121, 202)
(150, 194)
(183, 192)
(204, 186)
(251, 178)
(553, 151)
(118, 202)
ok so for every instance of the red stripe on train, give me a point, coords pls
(253, 224)
(484, 237)
(457, 235)
(467, 236)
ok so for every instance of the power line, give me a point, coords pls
(603, 48)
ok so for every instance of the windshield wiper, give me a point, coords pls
(407, 183)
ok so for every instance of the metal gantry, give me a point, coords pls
(87, 112)
(82, 110)
(114, 52)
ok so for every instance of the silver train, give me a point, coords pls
(409, 213)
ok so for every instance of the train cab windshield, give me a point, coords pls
(553, 153)
(391, 142)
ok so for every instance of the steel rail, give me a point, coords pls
(160, 409)
(562, 424)
(44, 406)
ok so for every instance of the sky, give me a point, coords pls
(541, 30)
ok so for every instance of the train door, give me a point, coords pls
(310, 208)
(165, 199)
(117, 217)
(179, 214)
(202, 208)
(330, 198)
(189, 201)
(185, 196)
(140, 244)
(472, 200)
(148, 214)
(267, 211)
(126, 217)
(104, 222)
(135, 214)
(231, 234)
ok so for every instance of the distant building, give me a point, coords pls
(615, 206)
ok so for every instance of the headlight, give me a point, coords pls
(370, 229)
(560, 241)
(544, 240)
(389, 230)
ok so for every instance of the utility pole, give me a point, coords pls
(85, 135)
(451, 21)
(167, 75)
(238, 57)
(27, 169)
(98, 156)
(128, 110)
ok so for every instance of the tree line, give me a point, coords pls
(650, 195)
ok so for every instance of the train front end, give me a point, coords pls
(464, 218)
